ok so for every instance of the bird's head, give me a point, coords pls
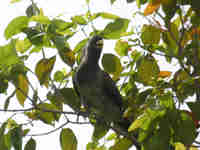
(95, 44)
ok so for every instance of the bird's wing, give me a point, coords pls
(111, 89)
(75, 87)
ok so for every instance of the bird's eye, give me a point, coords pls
(99, 43)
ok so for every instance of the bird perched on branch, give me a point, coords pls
(97, 90)
(95, 87)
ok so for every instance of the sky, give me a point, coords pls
(53, 8)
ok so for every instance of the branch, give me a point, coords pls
(49, 132)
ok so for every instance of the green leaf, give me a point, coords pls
(68, 140)
(22, 89)
(16, 26)
(179, 146)
(40, 19)
(67, 56)
(32, 10)
(80, 45)
(79, 20)
(138, 123)
(194, 106)
(121, 47)
(112, 1)
(34, 36)
(59, 76)
(14, 1)
(30, 145)
(107, 15)
(48, 117)
(100, 131)
(112, 64)
(43, 69)
(148, 70)
(116, 29)
(8, 55)
(185, 131)
(150, 34)
(70, 98)
(122, 144)
(16, 138)
(23, 45)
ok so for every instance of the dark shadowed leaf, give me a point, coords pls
(16, 26)
(100, 131)
(70, 98)
(16, 138)
(30, 145)
(194, 106)
(68, 140)
(116, 29)
(185, 131)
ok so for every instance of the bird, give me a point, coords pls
(97, 91)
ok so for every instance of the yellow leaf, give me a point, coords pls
(22, 89)
(193, 148)
(179, 146)
(43, 70)
(164, 74)
(151, 7)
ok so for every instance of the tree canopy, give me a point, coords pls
(162, 105)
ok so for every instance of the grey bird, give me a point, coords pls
(96, 89)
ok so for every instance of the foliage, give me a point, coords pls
(153, 97)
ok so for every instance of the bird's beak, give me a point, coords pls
(100, 43)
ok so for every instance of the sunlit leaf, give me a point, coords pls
(30, 145)
(107, 15)
(152, 7)
(14, 1)
(122, 144)
(80, 45)
(59, 76)
(8, 55)
(40, 19)
(121, 47)
(150, 34)
(79, 20)
(16, 26)
(23, 45)
(165, 74)
(116, 29)
(68, 140)
(43, 69)
(22, 88)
